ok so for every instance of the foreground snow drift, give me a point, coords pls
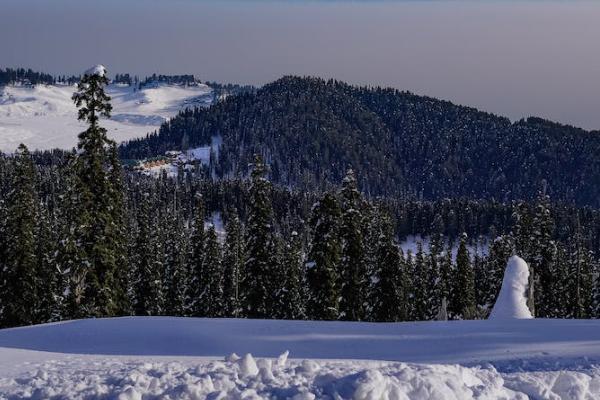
(247, 378)
(184, 358)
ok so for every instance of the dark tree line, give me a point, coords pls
(22, 75)
(279, 254)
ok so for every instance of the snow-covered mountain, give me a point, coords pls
(44, 116)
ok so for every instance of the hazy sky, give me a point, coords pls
(515, 58)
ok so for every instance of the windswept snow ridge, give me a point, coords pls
(512, 301)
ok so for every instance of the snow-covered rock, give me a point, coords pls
(512, 300)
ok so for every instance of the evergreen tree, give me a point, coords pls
(148, 264)
(232, 264)
(20, 297)
(446, 282)
(175, 277)
(210, 301)
(49, 283)
(464, 292)
(386, 292)
(420, 285)
(196, 270)
(580, 279)
(433, 278)
(322, 267)
(542, 263)
(291, 298)
(98, 201)
(352, 265)
(70, 258)
(259, 265)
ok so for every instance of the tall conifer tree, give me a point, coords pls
(20, 296)
(98, 201)
(352, 265)
(322, 266)
(260, 264)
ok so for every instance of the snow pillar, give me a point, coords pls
(512, 300)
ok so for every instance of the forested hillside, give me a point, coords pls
(81, 237)
(310, 131)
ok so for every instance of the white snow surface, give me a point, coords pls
(191, 358)
(99, 70)
(512, 300)
(44, 116)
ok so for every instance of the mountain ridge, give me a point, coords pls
(311, 130)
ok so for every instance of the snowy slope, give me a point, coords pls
(44, 117)
(511, 359)
(539, 341)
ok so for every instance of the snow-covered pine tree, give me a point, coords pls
(49, 283)
(445, 286)
(580, 278)
(464, 292)
(352, 266)
(70, 255)
(175, 277)
(543, 257)
(118, 233)
(563, 299)
(291, 299)
(421, 298)
(386, 290)
(259, 264)
(371, 225)
(433, 277)
(195, 268)
(101, 236)
(322, 266)
(232, 266)
(19, 296)
(480, 277)
(210, 301)
(147, 263)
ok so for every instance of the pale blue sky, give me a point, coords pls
(515, 58)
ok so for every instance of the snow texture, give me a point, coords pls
(99, 70)
(192, 358)
(512, 300)
(91, 377)
(44, 116)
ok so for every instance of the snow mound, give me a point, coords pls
(99, 70)
(512, 300)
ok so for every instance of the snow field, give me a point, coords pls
(250, 378)
(44, 116)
